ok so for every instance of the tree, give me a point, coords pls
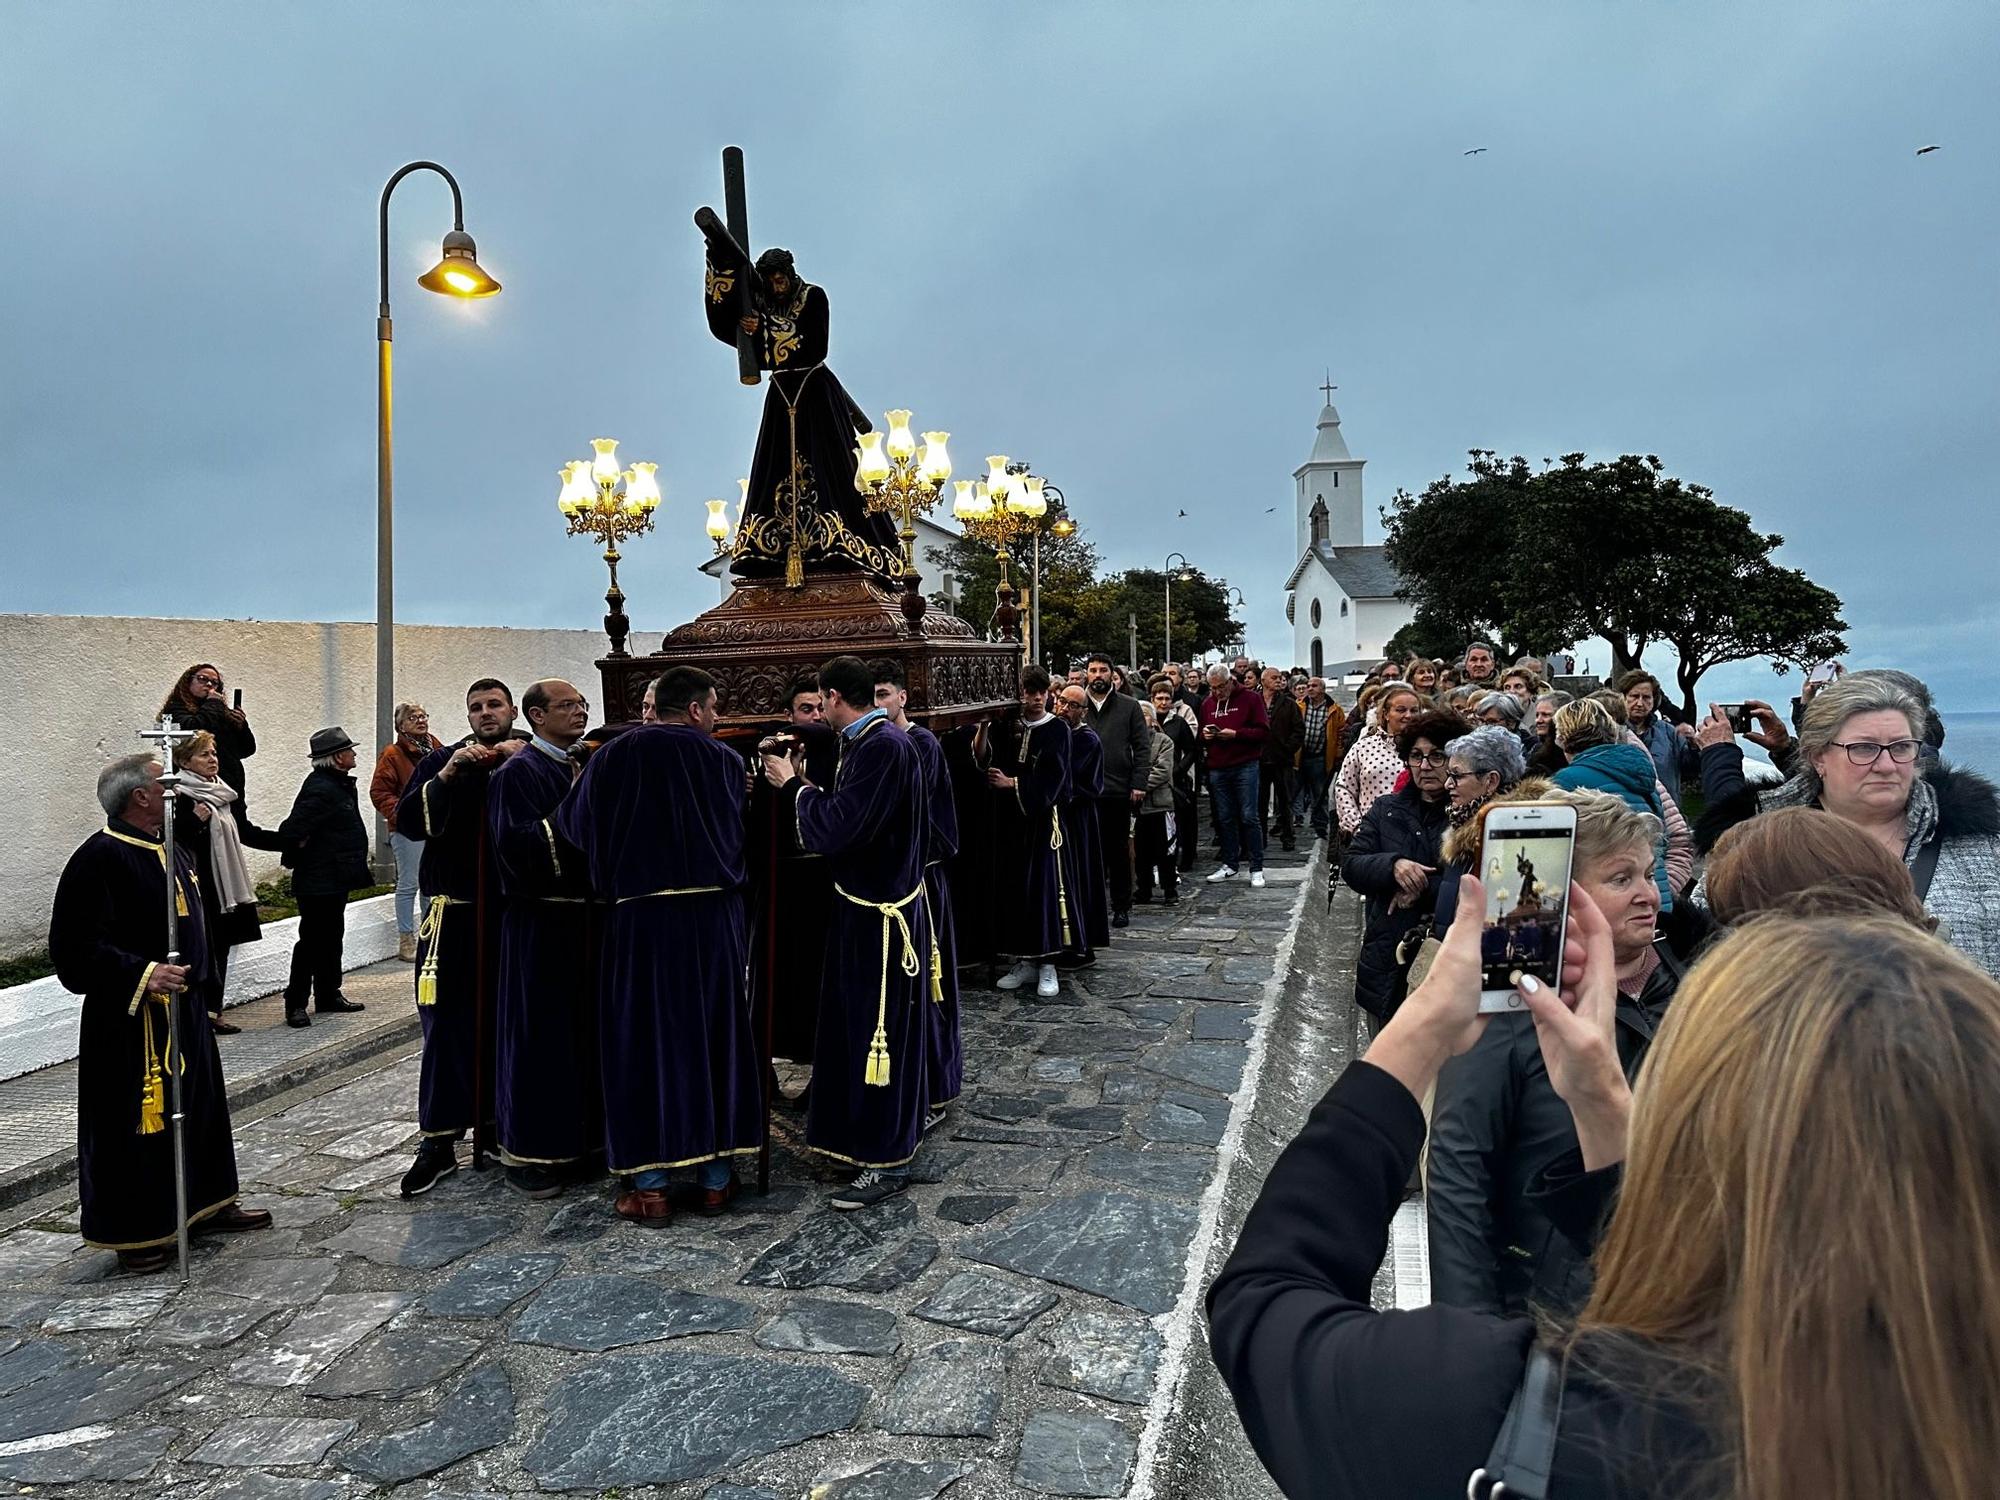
(1428, 634)
(1201, 614)
(1617, 549)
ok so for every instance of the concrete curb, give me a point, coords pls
(60, 1167)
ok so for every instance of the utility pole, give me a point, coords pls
(1132, 641)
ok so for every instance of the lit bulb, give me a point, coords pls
(936, 463)
(996, 480)
(576, 487)
(461, 283)
(604, 467)
(872, 464)
(900, 445)
(964, 500)
(718, 522)
(642, 488)
(1028, 498)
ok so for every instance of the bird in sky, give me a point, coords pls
(1927, 150)
(1270, 510)
(1183, 513)
(1475, 151)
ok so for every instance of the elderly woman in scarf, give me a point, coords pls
(206, 825)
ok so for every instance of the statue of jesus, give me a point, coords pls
(802, 509)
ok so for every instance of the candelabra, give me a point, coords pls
(603, 501)
(995, 510)
(894, 478)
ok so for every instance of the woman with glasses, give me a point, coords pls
(1858, 758)
(1393, 859)
(395, 766)
(198, 701)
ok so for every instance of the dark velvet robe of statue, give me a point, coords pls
(106, 934)
(458, 937)
(658, 815)
(546, 1089)
(873, 826)
(970, 883)
(1036, 917)
(1083, 856)
(791, 901)
(947, 1051)
(802, 472)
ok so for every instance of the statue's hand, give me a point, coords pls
(748, 323)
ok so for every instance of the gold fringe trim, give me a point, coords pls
(431, 931)
(876, 1072)
(152, 1085)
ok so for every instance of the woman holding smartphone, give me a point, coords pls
(1796, 1295)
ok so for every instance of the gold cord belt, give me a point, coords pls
(877, 1070)
(432, 929)
(1062, 886)
(672, 890)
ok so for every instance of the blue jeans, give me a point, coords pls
(707, 1174)
(1232, 798)
(409, 853)
(1313, 782)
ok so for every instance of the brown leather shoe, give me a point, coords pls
(235, 1219)
(648, 1207)
(715, 1200)
(146, 1262)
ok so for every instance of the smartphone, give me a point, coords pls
(237, 701)
(1524, 860)
(1739, 721)
(1826, 672)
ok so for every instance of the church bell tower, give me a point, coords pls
(1329, 486)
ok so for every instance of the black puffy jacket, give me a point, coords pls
(1401, 825)
(1497, 1125)
(325, 841)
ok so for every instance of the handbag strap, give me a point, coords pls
(1925, 866)
(1523, 1454)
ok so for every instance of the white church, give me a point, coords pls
(1341, 598)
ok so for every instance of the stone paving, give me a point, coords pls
(997, 1331)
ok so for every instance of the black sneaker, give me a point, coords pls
(432, 1163)
(869, 1188)
(527, 1179)
(296, 1016)
(932, 1120)
(1121, 919)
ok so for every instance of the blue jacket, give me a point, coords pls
(1626, 772)
(1673, 755)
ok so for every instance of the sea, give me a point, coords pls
(1972, 738)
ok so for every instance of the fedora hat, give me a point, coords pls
(329, 742)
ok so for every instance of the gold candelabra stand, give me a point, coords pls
(896, 479)
(995, 510)
(601, 500)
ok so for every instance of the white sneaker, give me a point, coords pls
(1048, 986)
(1015, 977)
(1224, 872)
(1256, 880)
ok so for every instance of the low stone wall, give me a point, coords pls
(83, 684)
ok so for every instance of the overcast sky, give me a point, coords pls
(1123, 241)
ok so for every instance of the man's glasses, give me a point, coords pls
(1867, 752)
(562, 704)
(1429, 758)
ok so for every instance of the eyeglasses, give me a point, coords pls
(1429, 758)
(208, 680)
(1867, 752)
(1453, 778)
(561, 704)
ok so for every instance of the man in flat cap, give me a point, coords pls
(325, 847)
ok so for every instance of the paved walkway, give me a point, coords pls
(1012, 1326)
(38, 1110)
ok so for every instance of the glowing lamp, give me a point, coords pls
(457, 273)
(576, 487)
(900, 445)
(872, 462)
(966, 501)
(1028, 498)
(997, 480)
(936, 463)
(604, 467)
(641, 488)
(718, 521)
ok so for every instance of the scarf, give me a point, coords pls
(225, 846)
(1460, 816)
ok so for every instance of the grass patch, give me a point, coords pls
(25, 967)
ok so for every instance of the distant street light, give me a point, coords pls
(1186, 576)
(457, 274)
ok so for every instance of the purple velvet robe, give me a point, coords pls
(791, 901)
(1032, 893)
(947, 1050)
(546, 1090)
(1083, 856)
(107, 931)
(873, 826)
(970, 884)
(658, 816)
(458, 939)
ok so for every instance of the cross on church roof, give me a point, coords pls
(1329, 387)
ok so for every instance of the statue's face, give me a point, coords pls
(779, 283)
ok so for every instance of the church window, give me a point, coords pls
(1318, 659)
(1318, 518)
(1336, 479)
(1343, 609)
(1315, 614)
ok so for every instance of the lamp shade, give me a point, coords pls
(872, 464)
(604, 467)
(718, 521)
(997, 480)
(1028, 498)
(936, 463)
(742, 499)
(901, 444)
(966, 501)
(576, 487)
(458, 273)
(643, 489)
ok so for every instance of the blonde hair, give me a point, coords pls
(1839, 701)
(189, 748)
(1584, 723)
(1808, 863)
(1606, 826)
(1810, 1213)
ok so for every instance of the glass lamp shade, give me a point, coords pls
(873, 463)
(576, 487)
(901, 444)
(1028, 498)
(936, 463)
(642, 488)
(997, 480)
(742, 499)
(718, 520)
(604, 467)
(966, 501)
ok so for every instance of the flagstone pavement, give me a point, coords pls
(997, 1331)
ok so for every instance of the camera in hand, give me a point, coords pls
(1738, 717)
(783, 743)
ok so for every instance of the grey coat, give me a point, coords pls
(1160, 777)
(1126, 742)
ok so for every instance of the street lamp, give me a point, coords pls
(1054, 504)
(457, 274)
(600, 499)
(995, 510)
(1242, 637)
(894, 478)
(1187, 575)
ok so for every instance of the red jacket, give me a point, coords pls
(392, 773)
(1245, 714)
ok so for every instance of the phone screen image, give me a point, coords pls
(1526, 872)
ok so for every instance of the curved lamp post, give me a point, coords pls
(457, 274)
(1187, 574)
(1237, 601)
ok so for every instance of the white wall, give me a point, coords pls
(82, 684)
(1376, 621)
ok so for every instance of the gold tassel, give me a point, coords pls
(431, 930)
(877, 1072)
(937, 974)
(152, 1084)
(795, 567)
(1062, 886)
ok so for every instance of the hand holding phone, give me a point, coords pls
(1525, 857)
(236, 701)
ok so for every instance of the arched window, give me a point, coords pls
(1343, 609)
(1318, 657)
(1317, 516)
(1315, 614)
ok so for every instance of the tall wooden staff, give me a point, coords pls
(166, 734)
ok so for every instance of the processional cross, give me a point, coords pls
(165, 735)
